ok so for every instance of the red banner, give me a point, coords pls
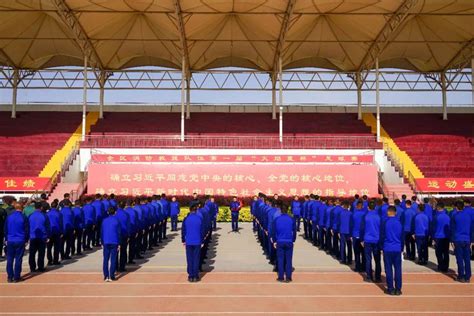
(235, 158)
(232, 179)
(23, 184)
(445, 184)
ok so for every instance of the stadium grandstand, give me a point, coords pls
(293, 98)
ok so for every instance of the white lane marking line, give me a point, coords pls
(231, 296)
(231, 272)
(25, 283)
(243, 313)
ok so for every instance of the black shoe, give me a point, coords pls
(33, 270)
(56, 263)
(288, 280)
(280, 280)
(42, 270)
(275, 269)
(67, 258)
(79, 254)
(398, 292)
(139, 257)
(131, 262)
(389, 292)
(50, 263)
(378, 280)
(190, 279)
(459, 279)
(368, 280)
(10, 280)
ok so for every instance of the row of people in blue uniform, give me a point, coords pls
(276, 232)
(196, 234)
(338, 228)
(63, 229)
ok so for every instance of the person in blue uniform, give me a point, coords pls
(441, 232)
(296, 210)
(345, 230)
(404, 201)
(329, 219)
(322, 225)
(336, 211)
(174, 211)
(468, 207)
(272, 213)
(235, 207)
(462, 235)
(100, 214)
(16, 236)
(134, 227)
(90, 221)
(166, 214)
(357, 238)
(192, 238)
(284, 235)
(125, 231)
(141, 228)
(110, 239)
(304, 210)
(54, 244)
(214, 212)
(253, 212)
(392, 240)
(370, 229)
(78, 214)
(39, 236)
(68, 230)
(408, 218)
(421, 232)
(316, 203)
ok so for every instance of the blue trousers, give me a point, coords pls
(174, 222)
(235, 221)
(393, 261)
(284, 259)
(322, 237)
(422, 248)
(298, 222)
(372, 249)
(110, 260)
(462, 250)
(15, 251)
(315, 234)
(192, 258)
(344, 244)
(358, 255)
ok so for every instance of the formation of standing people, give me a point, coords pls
(365, 229)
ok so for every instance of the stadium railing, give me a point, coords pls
(239, 142)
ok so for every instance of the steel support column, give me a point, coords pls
(443, 93)
(84, 100)
(359, 96)
(188, 98)
(15, 82)
(102, 79)
(183, 95)
(377, 97)
(472, 77)
(280, 75)
(273, 79)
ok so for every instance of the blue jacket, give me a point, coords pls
(315, 212)
(304, 209)
(345, 222)
(78, 217)
(335, 217)
(166, 207)
(284, 229)
(39, 225)
(124, 220)
(408, 218)
(429, 211)
(422, 225)
(462, 229)
(68, 219)
(296, 208)
(192, 230)
(89, 215)
(391, 235)
(322, 215)
(56, 221)
(441, 225)
(132, 216)
(234, 206)
(110, 231)
(16, 227)
(328, 216)
(99, 209)
(174, 208)
(383, 212)
(371, 227)
(357, 218)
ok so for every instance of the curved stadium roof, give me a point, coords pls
(333, 34)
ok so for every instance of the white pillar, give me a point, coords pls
(183, 92)
(188, 98)
(359, 96)
(472, 77)
(16, 81)
(280, 71)
(84, 100)
(273, 78)
(443, 93)
(377, 97)
(101, 94)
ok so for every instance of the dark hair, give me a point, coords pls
(459, 205)
(111, 211)
(408, 203)
(421, 207)
(284, 208)
(371, 205)
(98, 196)
(54, 204)
(38, 205)
(66, 195)
(467, 201)
(426, 200)
(121, 204)
(356, 196)
(77, 202)
(364, 197)
(43, 196)
(413, 198)
(112, 196)
(67, 203)
(385, 199)
(404, 196)
(345, 203)
(397, 202)
(359, 203)
(391, 209)
(440, 205)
